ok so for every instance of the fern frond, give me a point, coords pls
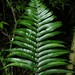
(34, 44)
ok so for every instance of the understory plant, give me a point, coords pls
(35, 44)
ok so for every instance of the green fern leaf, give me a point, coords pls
(34, 42)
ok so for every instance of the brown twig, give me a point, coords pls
(15, 25)
(6, 34)
(14, 16)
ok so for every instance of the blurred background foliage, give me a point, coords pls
(10, 12)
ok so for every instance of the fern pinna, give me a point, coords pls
(36, 49)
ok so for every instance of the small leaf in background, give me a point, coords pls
(18, 7)
(2, 24)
